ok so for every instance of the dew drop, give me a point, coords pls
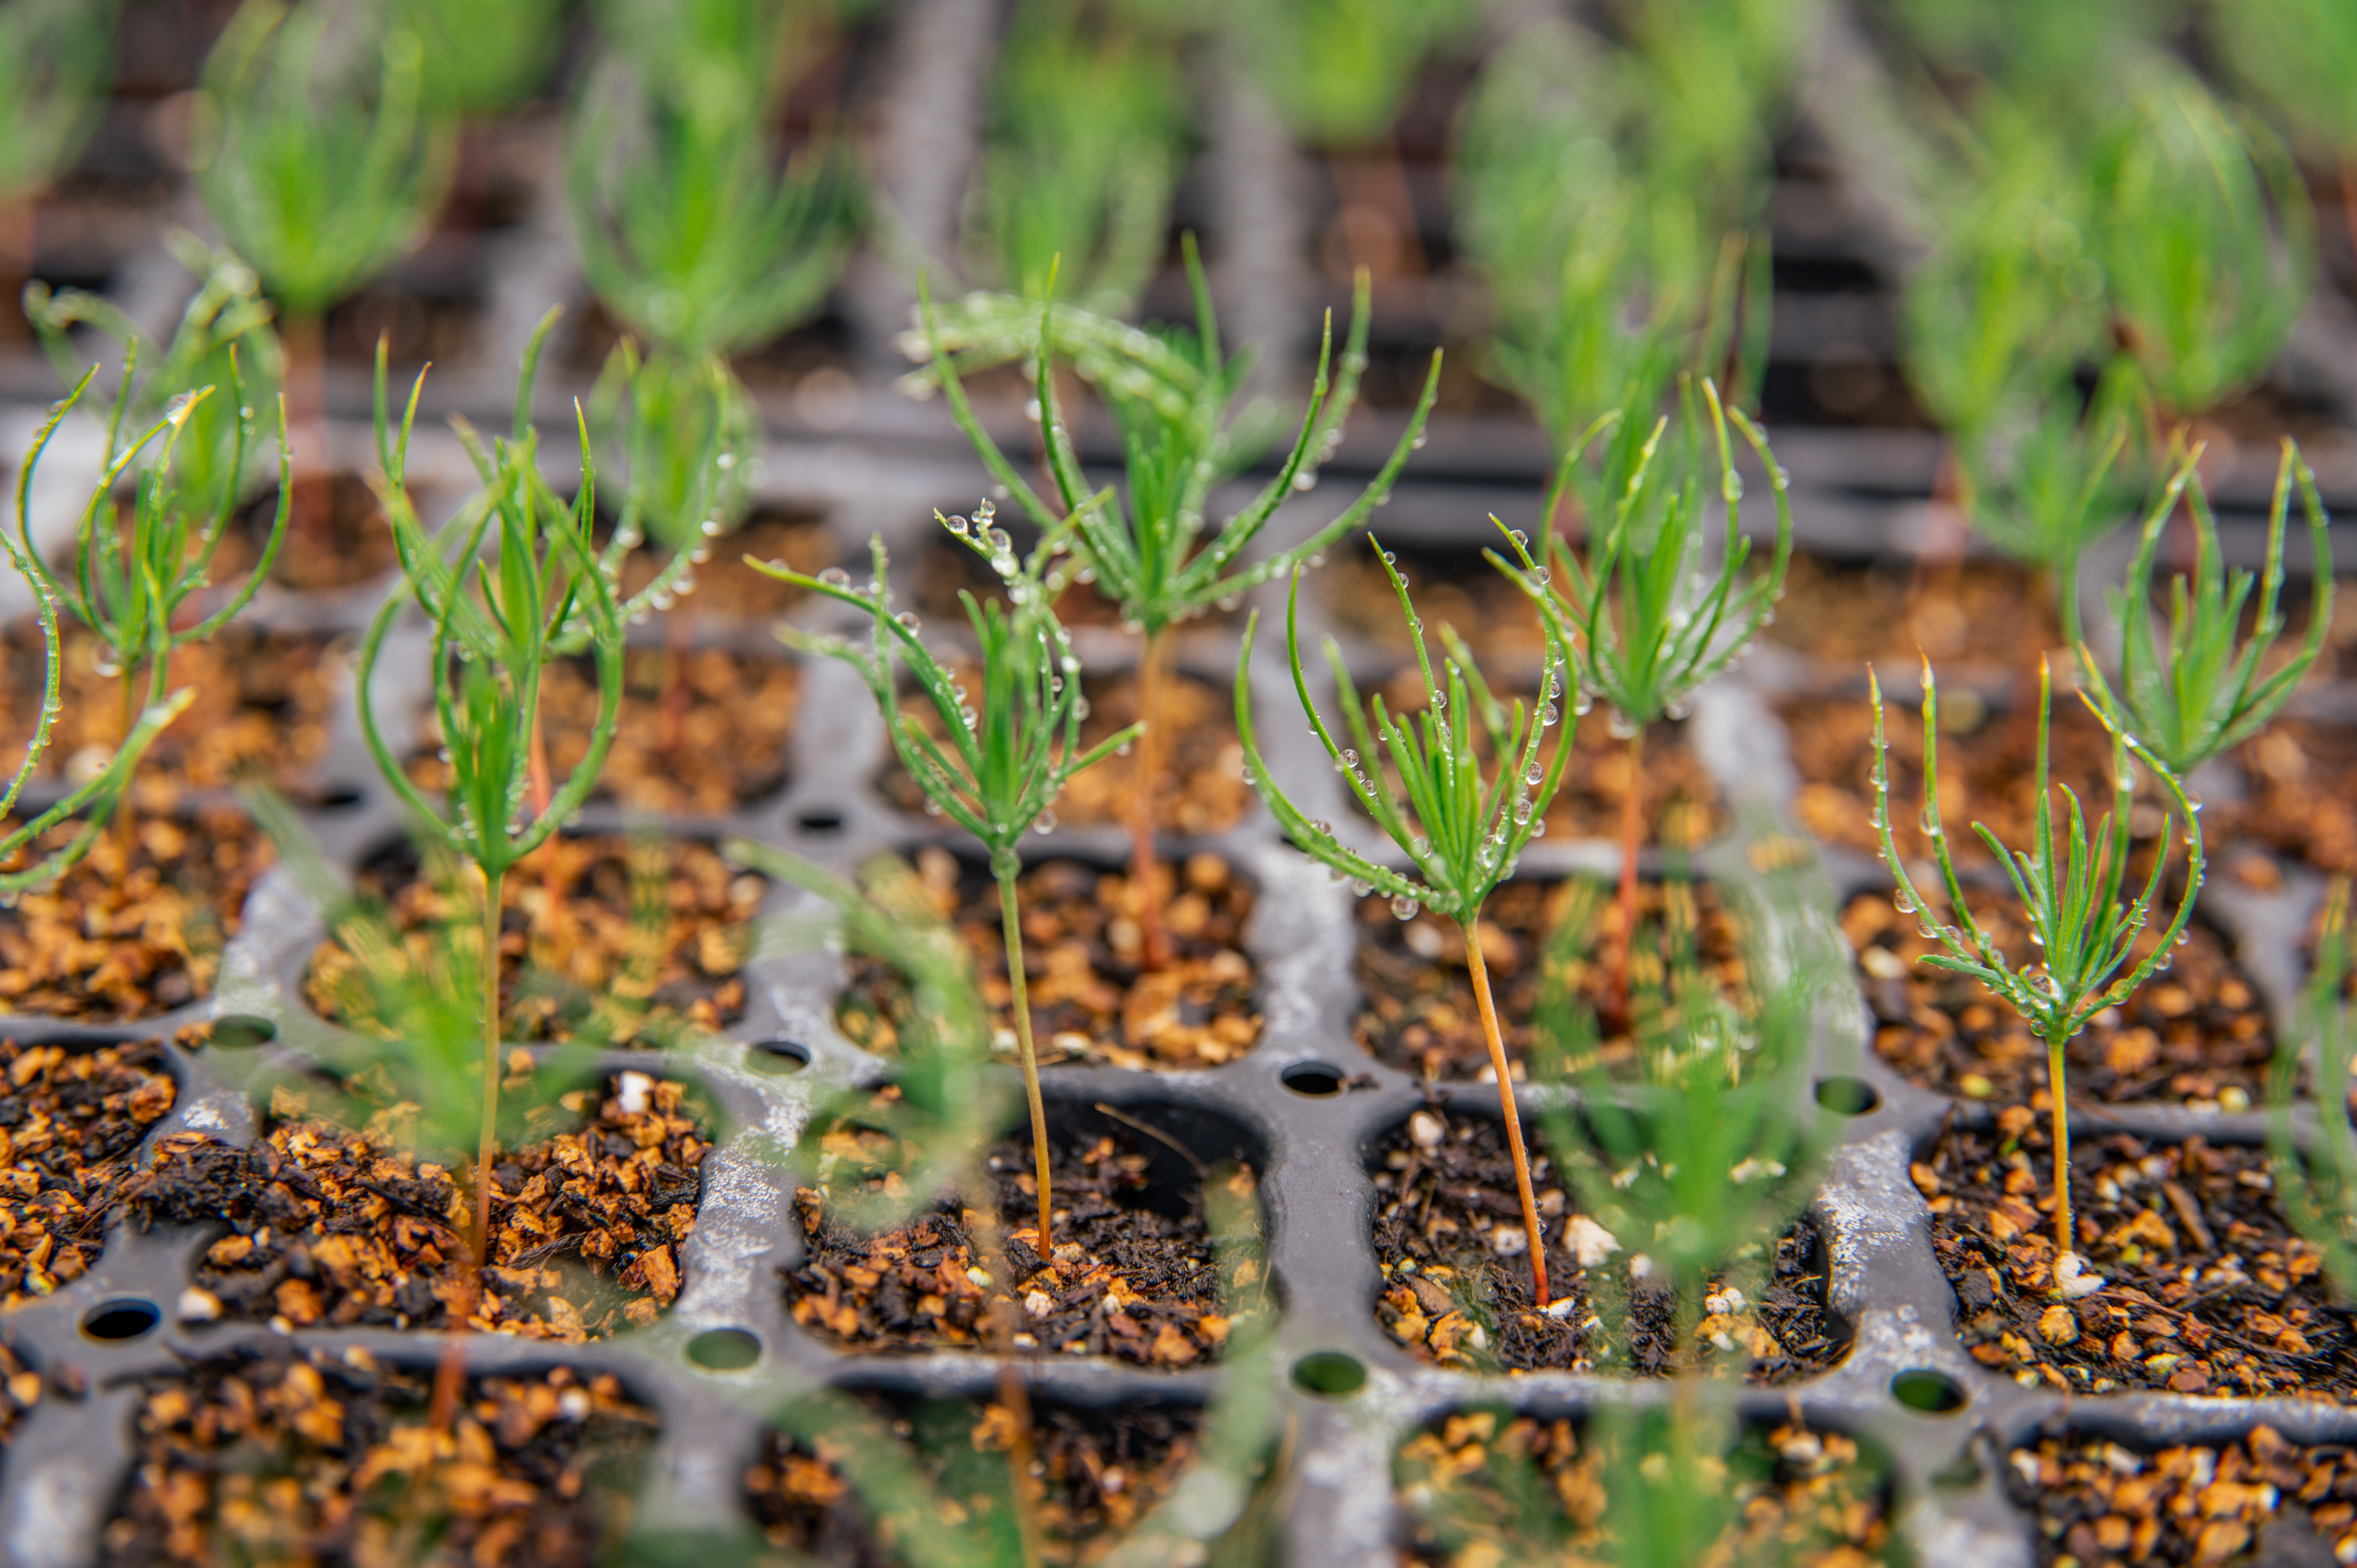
(835, 577)
(1403, 907)
(1045, 822)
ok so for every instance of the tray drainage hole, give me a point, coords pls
(724, 1349)
(126, 1317)
(820, 819)
(779, 1055)
(1928, 1393)
(1329, 1373)
(1847, 1096)
(243, 1032)
(1316, 1080)
(340, 798)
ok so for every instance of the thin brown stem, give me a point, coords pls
(1011, 925)
(1012, 1392)
(1472, 929)
(1154, 942)
(2066, 1239)
(306, 419)
(1632, 834)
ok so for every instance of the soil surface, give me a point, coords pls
(2301, 775)
(333, 1227)
(1095, 1478)
(575, 949)
(69, 1122)
(287, 1455)
(1977, 615)
(20, 1391)
(701, 732)
(2196, 1032)
(1090, 999)
(725, 587)
(1448, 1232)
(1452, 587)
(2103, 1506)
(263, 706)
(352, 545)
(128, 935)
(2207, 1288)
(1201, 787)
(1419, 1012)
(1129, 1280)
(1488, 1486)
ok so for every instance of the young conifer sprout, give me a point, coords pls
(133, 586)
(2201, 690)
(1462, 835)
(1150, 555)
(1001, 759)
(498, 584)
(2318, 1182)
(94, 798)
(1651, 617)
(2071, 894)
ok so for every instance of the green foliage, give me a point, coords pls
(1150, 557)
(316, 156)
(2316, 1176)
(686, 437)
(1649, 616)
(226, 316)
(1461, 836)
(481, 59)
(502, 584)
(1337, 71)
(2202, 691)
(1089, 122)
(2208, 242)
(2298, 58)
(55, 57)
(94, 798)
(686, 229)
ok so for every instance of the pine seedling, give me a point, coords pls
(502, 584)
(1150, 556)
(997, 768)
(686, 232)
(481, 59)
(2071, 892)
(2203, 690)
(133, 581)
(94, 798)
(1337, 71)
(2317, 1181)
(1650, 617)
(226, 315)
(1462, 835)
(54, 60)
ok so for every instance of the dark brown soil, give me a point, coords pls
(1982, 617)
(130, 935)
(263, 706)
(2196, 1032)
(1095, 1478)
(1129, 1280)
(727, 588)
(701, 732)
(351, 545)
(69, 1120)
(2302, 778)
(327, 1226)
(2208, 1290)
(291, 1455)
(1456, 588)
(571, 939)
(1419, 1014)
(1201, 787)
(1447, 1194)
(1089, 999)
(2099, 1505)
(1489, 1487)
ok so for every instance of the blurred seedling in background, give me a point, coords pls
(994, 766)
(2316, 1175)
(1088, 134)
(316, 157)
(226, 316)
(1336, 71)
(1462, 835)
(55, 59)
(481, 59)
(134, 576)
(1150, 555)
(500, 585)
(1652, 613)
(2070, 891)
(2204, 688)
(97, 797)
